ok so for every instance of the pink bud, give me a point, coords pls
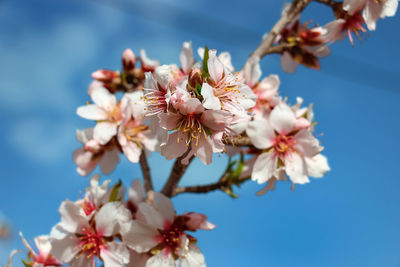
(197, 221)
(105, 76)
(92, 146)
(128, 60)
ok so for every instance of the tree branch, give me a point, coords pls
(176, 174)
(330, 3)
(239, 141)
(148, 184)
(220, 185)
(287, 16)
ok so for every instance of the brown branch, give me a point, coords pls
(330, 3)
(148, 184)
(287, 16)
(238, 141)
(220, 185)
(176, 174)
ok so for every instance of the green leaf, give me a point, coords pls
(198, 90)
(27, 264)
(205, 61)
(114, 192)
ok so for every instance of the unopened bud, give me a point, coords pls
(105, 76)
(195, 77)
(128, 60)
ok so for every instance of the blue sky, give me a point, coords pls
(351, 217)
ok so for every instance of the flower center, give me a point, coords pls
(191, 126)
(88, 207)
(90, 242)
(284, 145)
(171, 238)
(132, 131)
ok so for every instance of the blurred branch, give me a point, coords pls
(148, 184)
(239, 141)
(178, 170)
(330, 3)
(202, 189)
(287, 16)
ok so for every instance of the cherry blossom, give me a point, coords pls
(160, 232)
(134, 134)
(42, 257)
(224, 90)
(372, 10)
(106, 111)
(194, 128)
(284, 145)
(93, 154)
(79, 239)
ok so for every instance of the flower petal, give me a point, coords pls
(164, 206)
(317, 166)
(264, 167)
(103, 98)
(282, 119)
(109, 160)
(92, 112)
(104, 131)
(296, 169)
(140, 237)
(186, 57)
(116, 254)
(210, 101)
(261, 133)
(194, 258)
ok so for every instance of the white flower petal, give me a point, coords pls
(287, 63)
(65, 249)
(92, 112)
(151, 215)
(186, 57)
(115, 255)
(104, 131)
(194, 258)
(109, 160)
(164, 206)
(261, 133)
(103, 98)
(282, 119)
(307, 144)
(296, 169)
(317, 166)
(140, 237)
(264, 167)
(210, 101)
(161, 260)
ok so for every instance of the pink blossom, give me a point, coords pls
(282, 144)
(106, 111)
(372, 10)
(134, 134)
(224, 90)
(42, 257)
(193, 127)
(147, 63)
(79, 240)
(266, 90)
(162, 233)
(93, 154)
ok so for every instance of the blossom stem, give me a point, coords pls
(148, 184)
(178, 170)
(239, 141)
(295, 8)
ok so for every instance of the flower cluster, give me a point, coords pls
(351, 15)
(102, 227)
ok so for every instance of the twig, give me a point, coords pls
(220, 185)
(148, 184)
(330, 3)
(238, 141)
(176, 174)
(287, 16)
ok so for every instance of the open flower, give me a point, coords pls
(160, 232)
(79, 239)
(93, 154)
(224, 90)
(42, 257)
(372, 10)
(283, 145)
(302, 46)
(193, 127)
(106, 111)
(266, 90)
(134, 133)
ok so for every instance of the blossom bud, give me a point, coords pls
(197, 221)
(195, 77)
(105, 76)
(128, 60)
